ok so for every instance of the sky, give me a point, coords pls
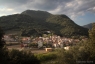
(82, 12)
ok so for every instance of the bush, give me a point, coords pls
(4, 56)
(35, 45)
(80, 53)
(21, 57)
(18, 57)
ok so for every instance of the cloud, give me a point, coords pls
(6, 9)
(76, 8)
(72, 8)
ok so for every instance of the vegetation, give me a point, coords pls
(34, 45)
(15, 56)
(35, 23)
(2, 42)
(82, 53)
(21, 57)
(62, 25)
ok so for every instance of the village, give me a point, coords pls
(47, 42)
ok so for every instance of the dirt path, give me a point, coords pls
(33, 50)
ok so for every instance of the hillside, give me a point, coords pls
(35, 23)
(66, 26)
(19, 23)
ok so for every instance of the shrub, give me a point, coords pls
(35, 45)
(21, 57)
(4, 56)
(17, 57)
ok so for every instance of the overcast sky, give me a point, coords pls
(80, 11)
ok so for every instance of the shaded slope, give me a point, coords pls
(65, 26)
(19, 22)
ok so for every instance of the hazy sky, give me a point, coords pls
(80, 11)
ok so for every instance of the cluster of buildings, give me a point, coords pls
(50, 41)
(56, 41)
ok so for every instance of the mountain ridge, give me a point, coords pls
(89, 26)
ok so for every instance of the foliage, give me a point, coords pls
(21, 57)
(15, 56)
(18, 57)
(34, 45)
(4, 56)
(3, 52)
(2, 42)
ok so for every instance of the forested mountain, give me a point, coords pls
(32, 22)
(89, 26)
